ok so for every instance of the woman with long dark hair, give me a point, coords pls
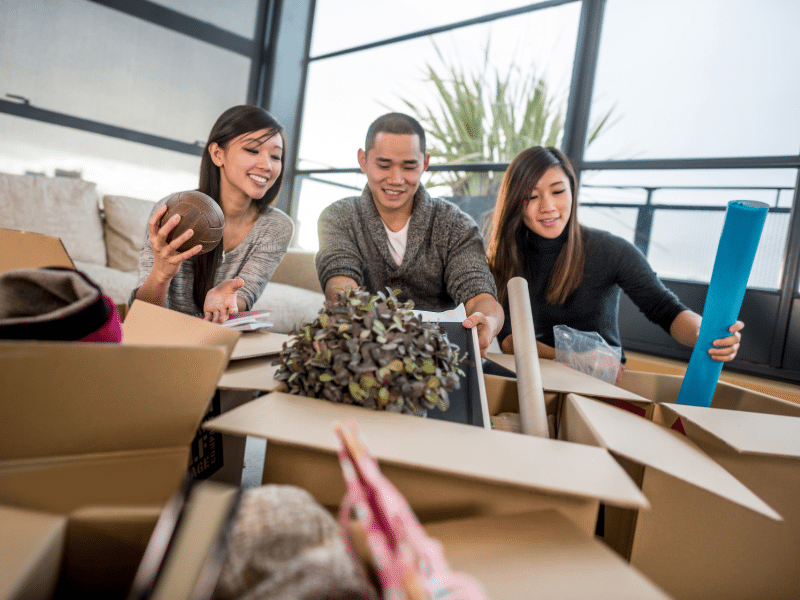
(575, 273)
(241, 169)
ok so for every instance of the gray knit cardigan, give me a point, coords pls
(444, 263)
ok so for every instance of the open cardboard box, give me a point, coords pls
(706, 535)
(516, 512)
(443, 469)
(95, 440)
(699, 546)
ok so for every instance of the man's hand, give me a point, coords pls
(485, 313)
(336, 285)
(221, 301)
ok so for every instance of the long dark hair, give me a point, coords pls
(518, 182)
(236, 121)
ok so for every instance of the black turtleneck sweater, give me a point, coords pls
(612, 264)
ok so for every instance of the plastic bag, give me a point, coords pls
(587, 352)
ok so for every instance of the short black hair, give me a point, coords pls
(397, 123)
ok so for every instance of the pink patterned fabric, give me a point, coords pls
(410, 564)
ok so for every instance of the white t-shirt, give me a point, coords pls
(397, 242)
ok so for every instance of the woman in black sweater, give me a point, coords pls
(575, 273)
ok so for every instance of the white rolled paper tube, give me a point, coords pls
(526, 357)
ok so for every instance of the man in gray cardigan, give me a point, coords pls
(395, 235)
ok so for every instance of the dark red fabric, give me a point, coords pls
(678, 426)
(111, 331)
(56, 304)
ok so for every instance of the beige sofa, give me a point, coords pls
(103, 236)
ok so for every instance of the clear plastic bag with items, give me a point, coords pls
(587, 352)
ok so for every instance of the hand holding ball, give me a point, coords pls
(198, 212)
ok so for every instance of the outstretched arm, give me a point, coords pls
(339, 262)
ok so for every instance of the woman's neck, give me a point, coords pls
(534, 240)
(239, 220)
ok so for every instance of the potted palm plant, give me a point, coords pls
(485, 115)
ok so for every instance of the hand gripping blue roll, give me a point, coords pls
(744, 222)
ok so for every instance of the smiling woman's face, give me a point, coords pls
(550, 205)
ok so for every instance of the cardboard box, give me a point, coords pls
(212, 454)
(725, 515)
(443, 469)
(79, 418)
(31, 553)
(93, 552)
(701, 547)
(27, 250)
(538, 555)
(97, 436)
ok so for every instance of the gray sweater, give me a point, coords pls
(254, 260)
(444, 263)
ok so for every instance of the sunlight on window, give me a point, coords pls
(346, 93)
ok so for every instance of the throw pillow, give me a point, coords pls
(126, 230)
(59, 206)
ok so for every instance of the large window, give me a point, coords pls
(699, 101)
(705, 98)
(695, 79)
(676, 216)
(346, 91)
(123, 101)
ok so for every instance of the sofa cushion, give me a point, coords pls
(126, 228)
(297, 268)
(115, 284)
(288, 305)
(59, 206)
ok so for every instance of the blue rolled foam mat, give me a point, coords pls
(744, 222)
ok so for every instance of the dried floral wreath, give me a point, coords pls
(371, 350)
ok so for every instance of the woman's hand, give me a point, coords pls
(725, 349)
(221, 301)
(166, 258)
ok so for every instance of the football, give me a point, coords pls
(199, 213)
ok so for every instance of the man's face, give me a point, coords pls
(393, 167)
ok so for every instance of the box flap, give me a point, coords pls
(665, 388)
(148, 324)
(551, 466)
(253, 374)
(744, 432)
(557, 377)
(27, 250)
(63, 398)
(539, 554)
(103, 550)
(258, 343)
(646, 443)
(66, 483)
(31, 548)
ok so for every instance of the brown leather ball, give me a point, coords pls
(198, 212)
